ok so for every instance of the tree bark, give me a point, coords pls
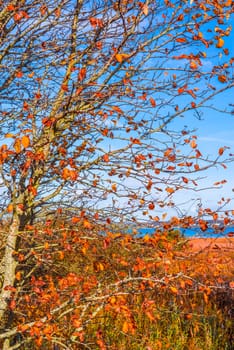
(8, 266)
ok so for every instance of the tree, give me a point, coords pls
(88, 93)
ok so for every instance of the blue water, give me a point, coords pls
(191, 232)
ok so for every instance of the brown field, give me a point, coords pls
(212, 244)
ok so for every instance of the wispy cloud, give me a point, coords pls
(216, 139)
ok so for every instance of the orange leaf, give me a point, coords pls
(75, 219)
(151, 206)
(43, 10)
(25, 141)
(120, 57)
(114, 187)
(125, 327)
(99, 45)
(65, 173)
(96, 216)
(174, 290)
(105, 158)
(73, 175)
(117, 109)
(145, 9)
(11, 7)
(17, 146)
(203, 225)
(76, 323)
(185, 179)
(19, 15)
(19, 74)
(9, 135)
(205, 296)
(198, 153)
(170, 190)
(221, 150)
(193, 104)
(152, 101)
(25, 106)
(64, 87)
(82, 73)
(57, 12)
(87, 224)
(222, 78)
(193, 144)
(180, 17)
(181, 40)
(96, 22)
(10, 208)
(61, 254)
(193, 65)
(150, 315)
(220, 43)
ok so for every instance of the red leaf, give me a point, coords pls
(43, 10)
(82, 74)
(198, 153)
(19, 15)
(152, 101)
(221, 150)
(105, 158)
(96, 22)
(75, 220)
(151, 206)
(19, 74)
(57, 12)
(64, 87)
(11, 7)
(181, 40)
(193, 104)
(185, 179)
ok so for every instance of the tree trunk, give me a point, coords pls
(8, 266)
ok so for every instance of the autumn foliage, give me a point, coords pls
(118, 291)
(91, 93)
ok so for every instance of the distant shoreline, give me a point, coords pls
(192, 232)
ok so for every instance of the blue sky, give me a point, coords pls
(214, 130)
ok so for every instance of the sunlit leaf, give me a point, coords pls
(106, 158)
(222, 78)
(17, 145)
(220, 43)
(181, 40)
(193, 144)
(25, 141)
